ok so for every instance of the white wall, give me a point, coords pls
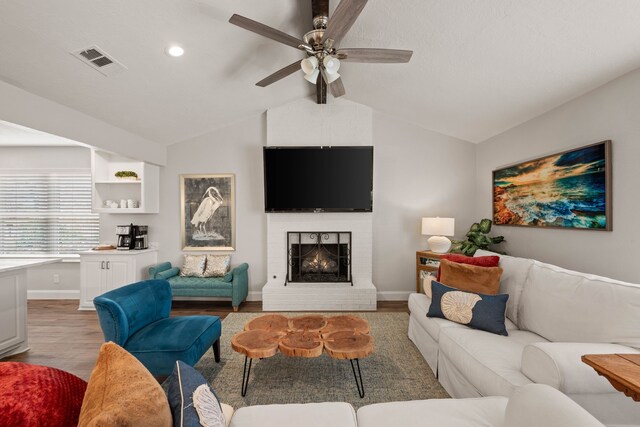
(24, 108)
(417, 173)
(235, 149)
(609, 112)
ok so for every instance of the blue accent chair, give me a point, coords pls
(136, 317)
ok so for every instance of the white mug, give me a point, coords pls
(123, 203)
(131, 203)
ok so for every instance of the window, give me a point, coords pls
(44, 213)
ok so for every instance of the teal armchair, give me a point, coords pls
(137, 318)
(234, 284)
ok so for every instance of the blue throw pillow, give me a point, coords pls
(183, 382)
(479, 311)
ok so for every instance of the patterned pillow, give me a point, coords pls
(192, 400)
(193, 266)
(479, 311)
(217, 265)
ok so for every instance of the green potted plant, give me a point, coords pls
(477, 239)
(127, 175)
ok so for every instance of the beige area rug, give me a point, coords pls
(395, 371)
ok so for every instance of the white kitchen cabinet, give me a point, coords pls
(145, 190)
(13, 303)
(103, 271)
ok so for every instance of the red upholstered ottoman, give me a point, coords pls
(32, 395)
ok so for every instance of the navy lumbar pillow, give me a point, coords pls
(479, 311)
(193, 402)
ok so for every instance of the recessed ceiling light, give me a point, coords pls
(174, 50)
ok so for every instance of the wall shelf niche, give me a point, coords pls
(106, 187)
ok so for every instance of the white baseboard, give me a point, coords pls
(54, 294)
(393, 296)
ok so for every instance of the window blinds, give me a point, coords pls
(46, 214)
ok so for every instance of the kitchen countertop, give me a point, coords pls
(17, 264)
(117, 252)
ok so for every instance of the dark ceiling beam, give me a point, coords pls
(320, 7)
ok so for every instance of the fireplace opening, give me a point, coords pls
(319, 257)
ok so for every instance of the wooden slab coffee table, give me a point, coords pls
(344, 337)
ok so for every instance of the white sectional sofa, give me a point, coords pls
(554, 316)
(534, 405)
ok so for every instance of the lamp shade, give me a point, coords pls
(331, 64)
(313, 76)
(438, 226)
(309, 65)
(332, 77)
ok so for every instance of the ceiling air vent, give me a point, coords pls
(99, 60)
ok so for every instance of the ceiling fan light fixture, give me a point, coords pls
(332, 77)
(331, 64)
(309, 65)
(312, 77)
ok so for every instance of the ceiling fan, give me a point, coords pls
(323, 58)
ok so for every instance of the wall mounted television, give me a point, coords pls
(318, 179)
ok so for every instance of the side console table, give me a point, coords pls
(426, 262)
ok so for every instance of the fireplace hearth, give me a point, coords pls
(319, 256)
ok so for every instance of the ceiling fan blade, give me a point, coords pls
(374, 55)
(265, 30)
(280, 74)
(342, 19)
(336, 88)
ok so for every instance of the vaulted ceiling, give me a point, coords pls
(479, 67)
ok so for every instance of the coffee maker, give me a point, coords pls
(132, 237)
(141, 241)
(126, 237)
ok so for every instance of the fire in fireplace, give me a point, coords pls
(319, 257)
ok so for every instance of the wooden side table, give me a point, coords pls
(622, 371)
(426, 262)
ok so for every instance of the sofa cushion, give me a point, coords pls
(491, 363)
(567, 306)
(419, 304)
(479, 311)
(559, 365)
(334, 414)
(34, 396)
(487, 412)
(537, 405)
(480, 261)
(122, 392)
(514, 273)
(470, 278)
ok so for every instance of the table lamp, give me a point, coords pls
(438, 228)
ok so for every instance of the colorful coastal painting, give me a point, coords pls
(571, 189)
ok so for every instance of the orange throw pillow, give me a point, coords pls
(122, 392)
(470, 278)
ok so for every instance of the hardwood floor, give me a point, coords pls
(65, 338)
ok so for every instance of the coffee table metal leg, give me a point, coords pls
(358, 377)
(245, 376)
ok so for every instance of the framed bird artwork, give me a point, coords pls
(207, 213)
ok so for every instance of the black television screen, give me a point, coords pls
(318, 179)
